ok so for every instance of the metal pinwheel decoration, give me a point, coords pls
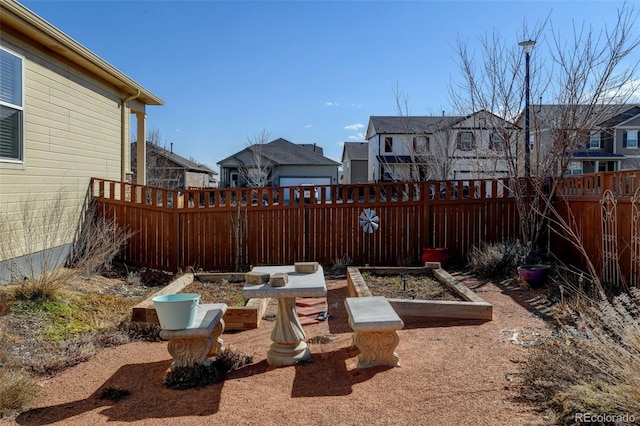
(369, 221)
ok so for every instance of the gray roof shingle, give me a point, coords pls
(283, 152)
(413, 124)
(355, 151)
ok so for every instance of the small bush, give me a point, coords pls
(203, 375)
(496, 259)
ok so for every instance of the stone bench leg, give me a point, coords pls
(188, 352)
(377, 348)
(192, 351)
(217, 341)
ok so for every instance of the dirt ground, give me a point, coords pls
(452, 373)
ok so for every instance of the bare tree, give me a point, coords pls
(256, 167)
(584, 76)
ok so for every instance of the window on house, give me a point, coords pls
(465, 141)
(495, 141)
(11, 106)
(594, 141)
(420, 144)
(630, 139)
(575, 168)
(388, 144)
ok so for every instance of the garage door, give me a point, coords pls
(297, 181)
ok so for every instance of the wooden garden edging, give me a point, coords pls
(236, 317)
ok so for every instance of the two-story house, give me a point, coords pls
(590, 138)
(475, 146)
(166, 169)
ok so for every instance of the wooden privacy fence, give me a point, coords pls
(225, 229)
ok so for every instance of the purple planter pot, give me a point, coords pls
(533, 275)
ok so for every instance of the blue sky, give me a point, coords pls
(306, 71)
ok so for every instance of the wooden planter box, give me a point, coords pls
(472, 308)
(236, 318)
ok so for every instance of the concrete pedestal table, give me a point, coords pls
(289, 346)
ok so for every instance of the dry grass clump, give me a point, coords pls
(592, 364)
(17, 391)
(17, 388)
(499, 259)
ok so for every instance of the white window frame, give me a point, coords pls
(16, 107)
(595, 141)
(574, 168)
(631, 132)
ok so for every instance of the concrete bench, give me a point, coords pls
(194, 345)
(375, 326)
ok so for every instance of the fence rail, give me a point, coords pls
(231, 228)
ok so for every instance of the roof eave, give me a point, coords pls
(17, 17)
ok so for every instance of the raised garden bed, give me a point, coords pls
(469, 305)
(239, 316)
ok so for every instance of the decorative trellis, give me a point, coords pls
(634, 279)
(610, 265)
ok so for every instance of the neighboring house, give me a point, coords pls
(355, 163)
(606, 137)
(166, 169)
(64, 118)
(421, 148)
(278, 163)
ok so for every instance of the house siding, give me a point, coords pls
(71, 133)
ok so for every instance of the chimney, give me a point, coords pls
(172, 147)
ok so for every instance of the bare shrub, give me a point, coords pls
(496, 259)
(339, 266)
(591, 364)
(98, 240)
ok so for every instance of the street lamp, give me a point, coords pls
(527, 46)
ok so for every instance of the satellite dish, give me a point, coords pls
(369, 221)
